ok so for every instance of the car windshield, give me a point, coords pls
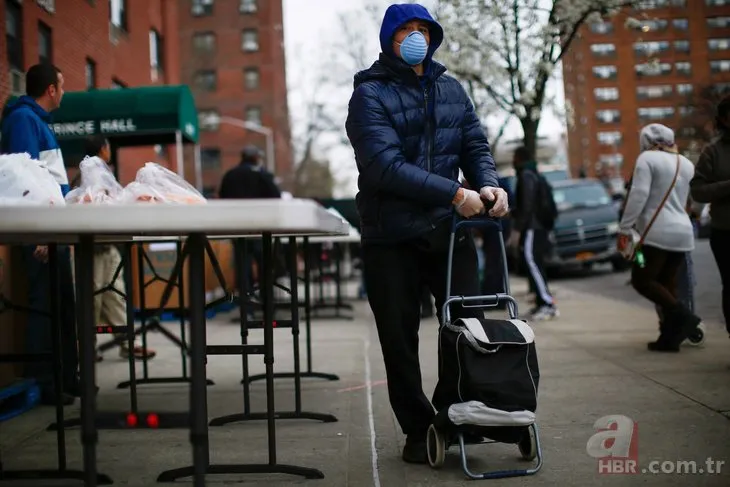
(552, 176)
(581, 196)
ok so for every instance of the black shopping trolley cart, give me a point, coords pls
(488, 376)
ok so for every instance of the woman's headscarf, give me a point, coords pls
(656, 136)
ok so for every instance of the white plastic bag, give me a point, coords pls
(157, 184)
(98, 184)
(23, 181)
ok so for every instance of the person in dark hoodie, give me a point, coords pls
(24, 128)
(711, 184)
(531, 228)
(248, 180)
(412, 128)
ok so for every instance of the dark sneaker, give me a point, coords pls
(662, 346)
(415, 449)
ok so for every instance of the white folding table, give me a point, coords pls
(83, 225)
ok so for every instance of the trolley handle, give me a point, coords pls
(481, 221)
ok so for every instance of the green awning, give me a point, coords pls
(141, 116)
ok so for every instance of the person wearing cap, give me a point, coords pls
(412, 128)
(246, 181)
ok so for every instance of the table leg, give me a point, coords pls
(309, 373)
(198, 400)
(84, 262)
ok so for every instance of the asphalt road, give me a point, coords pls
(603, 281)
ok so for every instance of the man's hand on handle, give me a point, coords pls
(499, 197)
(468, 203)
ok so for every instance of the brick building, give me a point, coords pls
(622, 74)
(96, 44)
(232, 56)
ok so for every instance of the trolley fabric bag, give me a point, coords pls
(489, 366)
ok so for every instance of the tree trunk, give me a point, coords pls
(529, 127)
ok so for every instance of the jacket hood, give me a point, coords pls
(26, 102)
(399, 14)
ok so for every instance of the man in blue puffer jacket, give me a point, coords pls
(412, 128)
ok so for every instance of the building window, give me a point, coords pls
(201, 7)
(251, 77)
(681, 46)
(605, 94)
(717, 3)
(608, 116)
(654, 25)
(45, 43)
(204, 42)
(686, 111)
(210, 158)
(601, 27)
(654, 4)
(603, 50)
(684, 89)
(14, 34)
(613, 160)
(117, 84)
(609, 138)
(248, 6)
(206, 80)
(718, 22)
(684, 68)
(680, 24)
(650, 48)
(655, 113)
(253, 115)
(250, 40)
(208, 120)
(720, 66)
(605, 72)
(653, 69)
(90, 74)
(718, 44)
(156, 62)
(653, 92)
(118, 14)
(687, 132)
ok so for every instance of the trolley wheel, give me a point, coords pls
(528, 445)
(436, 447)
(697, 337)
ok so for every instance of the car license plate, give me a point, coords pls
(584, 255)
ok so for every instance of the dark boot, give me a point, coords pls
(667, 336)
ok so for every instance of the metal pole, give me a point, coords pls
(179, 154)
(270, 161)
(198, 169)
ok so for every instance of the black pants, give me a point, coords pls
(535, 245)
(394, 275)
(38, 337)
(719, 241)
(657, 280)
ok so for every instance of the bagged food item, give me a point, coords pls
(98, 184)
(25, 181)
(156, 184)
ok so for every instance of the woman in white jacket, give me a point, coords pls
(656, 210)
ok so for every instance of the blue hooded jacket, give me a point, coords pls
(24, 128)
(411, 135)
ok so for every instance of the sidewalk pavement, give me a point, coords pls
(593, 362)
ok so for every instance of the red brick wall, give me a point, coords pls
(231, 98)
(81, 29)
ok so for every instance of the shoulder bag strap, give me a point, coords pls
(661, 205)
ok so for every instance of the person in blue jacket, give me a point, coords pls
(24, 128)
(412, 128)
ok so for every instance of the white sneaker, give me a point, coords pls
(545, 313)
